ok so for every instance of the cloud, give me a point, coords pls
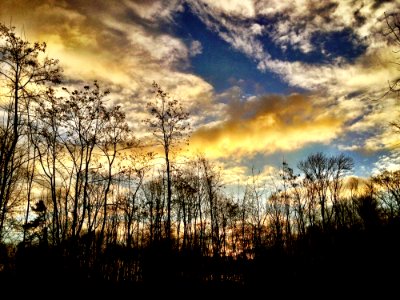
(233, 175)
(153, 10)
(349, 89)
(294, 24)
(122, 45)
(299, 21)
(389, 162)
(195, 48)
(128, 45)
(368, 127)
(236, 8)
(236, 177)
(226, 21)
(265, 125)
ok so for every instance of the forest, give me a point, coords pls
(87, 207)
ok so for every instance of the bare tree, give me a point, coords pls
(21, 72)
(323, 178)
(115, 137)
(132, 176)
(388, 190)
(153, 193)
(393, 25)
(341, 164)
(212, 184)
(45, 136)
(257, 209)
(317, 169)
(293, 188)
(169, 125)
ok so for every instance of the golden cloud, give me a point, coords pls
(265, 125)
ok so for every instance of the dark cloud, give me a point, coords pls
(378, 3)
(323, 9)
(359, 18)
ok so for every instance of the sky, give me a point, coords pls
(264, 80)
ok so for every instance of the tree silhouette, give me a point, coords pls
(37, 228)
(23, 71)
(323, 178)
(169, 125)
(115, 138)
(393, 24)
(45, 134)
(84, 117)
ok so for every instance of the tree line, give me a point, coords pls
(79, 194)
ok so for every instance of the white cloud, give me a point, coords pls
(195, 48)
(155, 11)
(237, 8)
(257, 29)
(389, 162)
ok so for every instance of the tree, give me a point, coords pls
(84, 118)
(323, 178)
(212, 185)
(169, 125)
(291, 183)
(340, 165)
(317, 168)
(115, 138)
(133, 176)
(393, 24)
(256, 209)
(45, 130)
(388, 190)
(22, 71)
(186, 195)
(37, 228)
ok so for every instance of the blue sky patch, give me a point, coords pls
(338, 44)
(327, 47)
(220, 64)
